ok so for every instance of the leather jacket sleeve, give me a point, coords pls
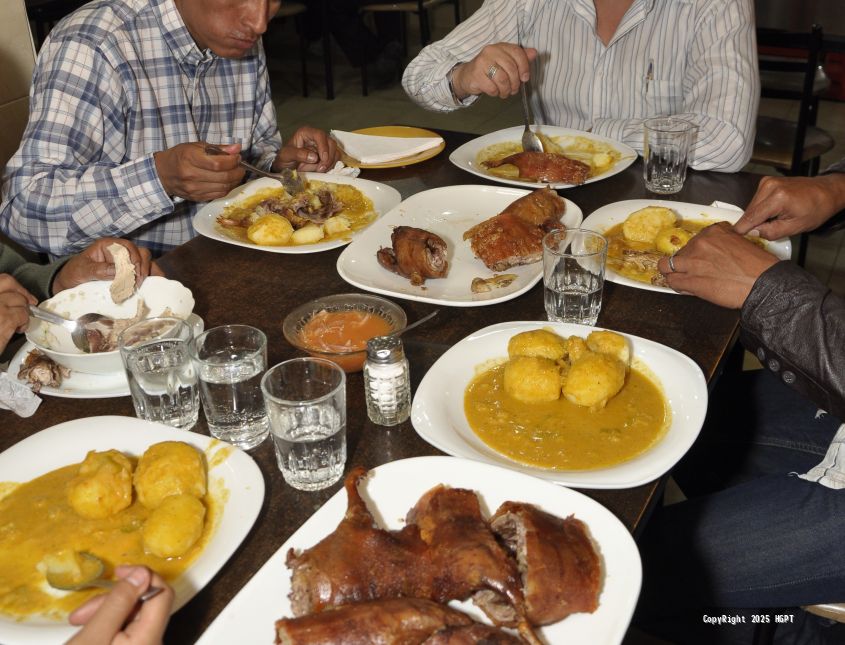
(796, 327)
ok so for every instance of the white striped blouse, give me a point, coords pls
(693, 58)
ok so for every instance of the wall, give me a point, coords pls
(17, 57)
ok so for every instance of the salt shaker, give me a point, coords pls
(387, 381)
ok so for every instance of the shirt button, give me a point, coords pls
(761, 355)
(774, 365)
(788, 377)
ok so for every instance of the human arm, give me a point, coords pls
(784, 206)
(14, 316)
(108, 618)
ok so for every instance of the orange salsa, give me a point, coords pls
(330, 333)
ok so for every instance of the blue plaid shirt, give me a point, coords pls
(115, 82)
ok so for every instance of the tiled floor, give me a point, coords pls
(350, 110)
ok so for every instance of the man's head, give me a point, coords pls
(229, 28)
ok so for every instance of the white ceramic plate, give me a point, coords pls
(383, 197)
(464, 156)
(609, 216)
(438, 408)
(69, 442)
(391, 490)
(448, 212)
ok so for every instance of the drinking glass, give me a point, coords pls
(573, 275)
(161, 375)
(306, 403)
(666, 144)
(230, 361)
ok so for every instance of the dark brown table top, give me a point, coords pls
(233, 284)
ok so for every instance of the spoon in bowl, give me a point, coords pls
(75, 327)
(425, 318)
(91, 568)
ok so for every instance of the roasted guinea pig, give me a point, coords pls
(416, 254)
(545, 167)
(515, 236)
(561, 569)
(39, 370)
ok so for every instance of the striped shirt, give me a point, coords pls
(115, 82)
(692, 58)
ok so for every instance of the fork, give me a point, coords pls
(530, 141)
(288, 177)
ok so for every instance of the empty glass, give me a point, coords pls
(666, 144)
(573, 275)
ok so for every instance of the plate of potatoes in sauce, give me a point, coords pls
(126, 491)
(641, 231)
(261, 215)
(575, 405)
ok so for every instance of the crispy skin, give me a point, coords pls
(515, 236)
(39, 370)
(561, 570)
(399, 621)
(417, 254)
(546, 166)
(476, 634)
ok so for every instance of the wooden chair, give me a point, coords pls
(418, 7)
(296, 10)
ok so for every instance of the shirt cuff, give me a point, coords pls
(442, 90)
(145, 195)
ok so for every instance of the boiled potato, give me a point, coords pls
(672, 239)
(576, 347)
(336, 225)
(593, 380)
(610, 343)
(270, 230)
(644, 225)
(539, 342)
(308, 234)
(532, 379)
(103, 485)
(173, 527)
(169, 468)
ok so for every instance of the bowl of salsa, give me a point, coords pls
(338, 327)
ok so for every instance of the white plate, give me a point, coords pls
(464, 157)
(448, 212)
(391, 491)
(438, 408)
(609, 216)
(383, 197)
(69, 442)
(80, 385)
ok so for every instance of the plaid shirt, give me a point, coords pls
(115, 82)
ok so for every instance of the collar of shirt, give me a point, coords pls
(177, 36)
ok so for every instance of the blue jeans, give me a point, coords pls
(751, 535)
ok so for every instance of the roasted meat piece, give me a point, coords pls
(39, 370)
(417, 254)
(401, 621)
(545, 167)
(515, 236)
(476, 634)
(561, 569)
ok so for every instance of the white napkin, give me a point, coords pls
(343, 170)
(726, 206)
(17, 397)
(367, 148)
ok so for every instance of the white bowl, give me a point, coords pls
(157, 293)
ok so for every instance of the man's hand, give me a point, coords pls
(96, 263)
(784, 206)
(112, 618)
(718, 265)
(513, 68)
(14, 316)
(309, 149)
(188, 171)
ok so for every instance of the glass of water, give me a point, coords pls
(161, 375)
(573, 275)
(230, 361)
(666, 144)
(306, 403)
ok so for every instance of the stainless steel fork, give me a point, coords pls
(288, 177)
(530, 141)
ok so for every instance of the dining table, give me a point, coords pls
(236, 284)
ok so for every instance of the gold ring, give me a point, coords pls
(491, 71)
(672, 263)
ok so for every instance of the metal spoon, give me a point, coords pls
(425, 318)
(75, 327)
(94, 568)
(288, 177)
(530, 141)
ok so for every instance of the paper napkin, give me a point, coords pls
(367, 148)
(17, 397)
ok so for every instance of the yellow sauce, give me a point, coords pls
(36, 520)
(560, 435)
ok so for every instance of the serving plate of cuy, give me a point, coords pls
(235, 481)
(391, 490)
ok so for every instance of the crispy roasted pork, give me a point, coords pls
(545, 167)
(476, 634)
(416, 254)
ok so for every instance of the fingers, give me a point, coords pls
(191, 171)
(498, 70)
(316, 151)
(9, 284)
(103, 623)
(151, 621)
(761, 208)
(14, 316)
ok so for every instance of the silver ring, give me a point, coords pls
(491, 71)
(672, 263)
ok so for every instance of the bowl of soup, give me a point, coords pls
(338, 327)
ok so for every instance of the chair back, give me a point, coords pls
(17, 58)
